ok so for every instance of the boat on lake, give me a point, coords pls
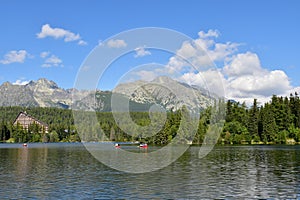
(143, 145)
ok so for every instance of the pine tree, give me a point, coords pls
(269, 127)
(253, 120)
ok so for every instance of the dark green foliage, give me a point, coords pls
(275, 122)
(60, 121)
(253, 120)
(269, 126)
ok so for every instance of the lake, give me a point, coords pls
(68, 171)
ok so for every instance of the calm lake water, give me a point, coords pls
(68, 171)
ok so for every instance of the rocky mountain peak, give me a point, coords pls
(42, 83)
(165, 91)
(6, 84)
(168, 93)
(47, 83)
(163, 79)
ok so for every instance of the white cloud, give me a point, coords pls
(202, 52)
(53, 61)
(240, 74)
(211, 80)
(188, 50)
(267, 84)
(20, 82)
(222, 51)
(82, 43)
(243, 64)
(210, 33)
(175, 64)
(57, 33)
(291, 91)
(116, 43)
(146, 75)
(100, 43)
(44, 54)
(244, 87)
(247, 79)
(141, 51)
(50, 60)
(15, 57)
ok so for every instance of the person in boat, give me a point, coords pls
(117, 145)
(143, 145)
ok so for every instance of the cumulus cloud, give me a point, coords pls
(53, 61)
(247, 79)
(141, 52)
(82, 43)
(57, 33)
(20, 82)
(241, 75)
(267, 84)
(211, 80)
(14, 57)
(209, 33)
(291, 91)
(202, 52)
(116, 43)
(244, 84)
(146, 75)
(44, 54)
(243, 64)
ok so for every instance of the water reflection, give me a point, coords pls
(68, 171)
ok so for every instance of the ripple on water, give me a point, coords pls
(68, 171)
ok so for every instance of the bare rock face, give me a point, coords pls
(164, 91)
(42, 93)
(15, 95)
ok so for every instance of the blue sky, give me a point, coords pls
(265, 34)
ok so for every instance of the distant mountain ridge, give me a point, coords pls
(43, 93)
(167, 92)
(164, 91)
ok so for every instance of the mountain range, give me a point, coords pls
(168, 93)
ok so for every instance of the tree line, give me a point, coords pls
(60, 121)
(274, 122)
